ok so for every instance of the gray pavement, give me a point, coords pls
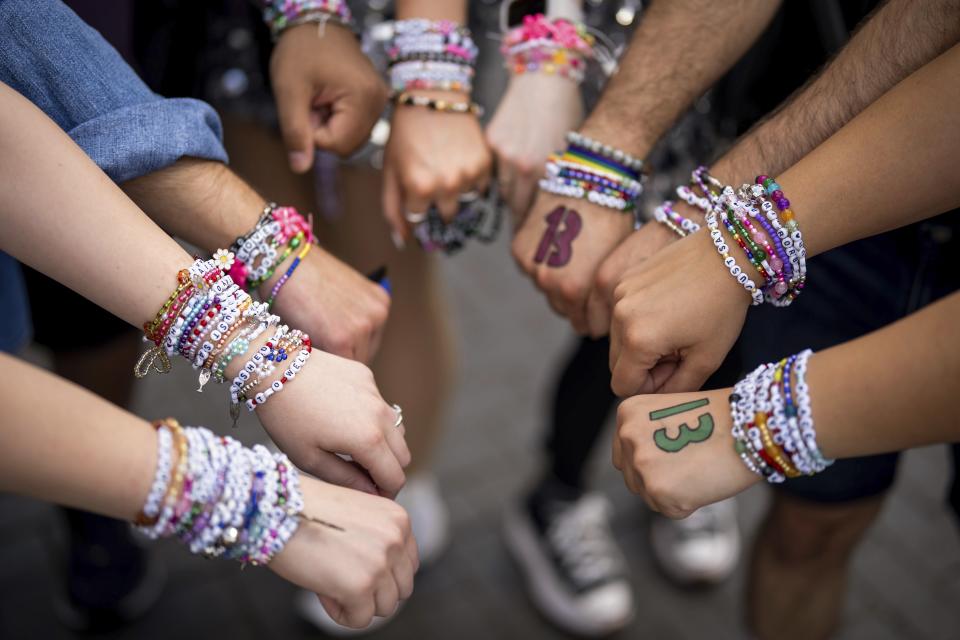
(906, 575)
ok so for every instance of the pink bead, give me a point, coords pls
(776, 263)
(780, 288)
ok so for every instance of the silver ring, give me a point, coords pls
(469, 196)
(414, 218)
(399, 412)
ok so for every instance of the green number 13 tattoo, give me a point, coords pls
(701, 432)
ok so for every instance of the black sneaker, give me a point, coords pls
(573, 568)
(110, 580)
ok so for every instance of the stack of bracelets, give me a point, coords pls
(557, 47)
(434, 55)
(219, 498)
(479, 218)
(596, 172)
(772, 424)
(759, 219)
(284, 14)
(210, 319)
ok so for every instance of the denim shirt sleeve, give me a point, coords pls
(66, 68)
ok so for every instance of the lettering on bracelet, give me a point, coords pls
(686, 435)
(556, 246)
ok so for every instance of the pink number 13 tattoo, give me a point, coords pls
(556, 246)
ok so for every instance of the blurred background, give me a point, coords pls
(906, 574)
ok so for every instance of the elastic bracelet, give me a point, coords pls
(280, 15)
(286, 276)
(437, 104)
(730, 262)
(633, 164)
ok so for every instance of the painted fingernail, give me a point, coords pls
(299, 161)
(398, 240)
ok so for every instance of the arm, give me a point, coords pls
(675, 55)
(895, 41)
(61, 215)
(432, 158)
(208, 205)
(854, 185)
(902, 394)
(78, 450)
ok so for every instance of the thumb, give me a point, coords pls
(294, 111)
(343, 132)
(393, 205)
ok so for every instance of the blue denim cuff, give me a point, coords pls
(138, 139)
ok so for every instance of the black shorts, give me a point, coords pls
(852, 290)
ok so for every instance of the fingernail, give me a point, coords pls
(398, 240)
(299, 161)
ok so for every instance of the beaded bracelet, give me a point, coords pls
(286, 276)
(437, 104)
(284, 14)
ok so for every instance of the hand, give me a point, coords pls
(638, 246)
(530, 123)
(432, 158)
(334, 407)
(675, 317)
(343, 311)
(676, 451)
(363, 571)
(328, 93)
(561, 245)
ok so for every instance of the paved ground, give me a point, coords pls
(906, 577)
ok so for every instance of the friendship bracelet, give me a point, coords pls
(437, 104)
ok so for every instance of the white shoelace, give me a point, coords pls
(580, 534)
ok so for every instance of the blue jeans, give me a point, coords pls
(72, 74)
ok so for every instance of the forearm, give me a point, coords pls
(890, 390)
(892, 165)
(64, 217)
(679, 50)
(201, 201)
(899, 38)
(454, 10)
(72, 448)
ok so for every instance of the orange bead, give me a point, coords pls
(787, 214)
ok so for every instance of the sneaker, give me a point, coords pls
(111, 580)
(702, 549)
(308, 605)
(572, 565)
(429, 517)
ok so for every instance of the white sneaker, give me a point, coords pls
(308, 605)
(573, 567)
(429, 517)
(704, 548)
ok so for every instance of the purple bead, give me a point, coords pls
(777, 195)
(761, 179)
(783, 204)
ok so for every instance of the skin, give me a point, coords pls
(328, 93)
(105, 463)
(657, 345)
(431, 157)
(208, 205)
(674, 56)
(854, 415)
(44, 173)
(885, 50)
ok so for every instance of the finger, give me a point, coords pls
(333, 608)
(387, 597)
(382, 465)
(416, 203)
(448, 200)
(689, 375)
(617, 453)
(393, 205)
(344, 131)
(359, 613)
(598, 313)
(336, 470)
(629, 375)
(293, 110)
(403, 575)
(397, 443)
(413, 553)
(521, 199)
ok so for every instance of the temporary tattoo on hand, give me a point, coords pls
(701, 432)
(557, 239)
